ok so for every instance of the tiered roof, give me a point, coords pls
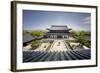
(58, 27)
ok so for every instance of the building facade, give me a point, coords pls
(58, 31)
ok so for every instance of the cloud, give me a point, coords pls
(87, 20)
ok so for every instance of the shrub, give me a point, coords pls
(36, 44)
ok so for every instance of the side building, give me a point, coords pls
(27, 39)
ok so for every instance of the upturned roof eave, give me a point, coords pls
(57, 29)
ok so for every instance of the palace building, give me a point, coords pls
(58, 31)
(27, 39)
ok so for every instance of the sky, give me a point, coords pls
(40, 20)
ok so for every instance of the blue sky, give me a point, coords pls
(33, 20)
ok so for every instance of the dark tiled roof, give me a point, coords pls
(27, 37)
(58, 27)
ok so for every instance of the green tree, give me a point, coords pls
(38, 34)
(81, 38)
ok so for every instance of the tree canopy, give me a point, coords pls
(38, 34)
(81, 38)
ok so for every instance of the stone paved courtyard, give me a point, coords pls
(58, 46)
